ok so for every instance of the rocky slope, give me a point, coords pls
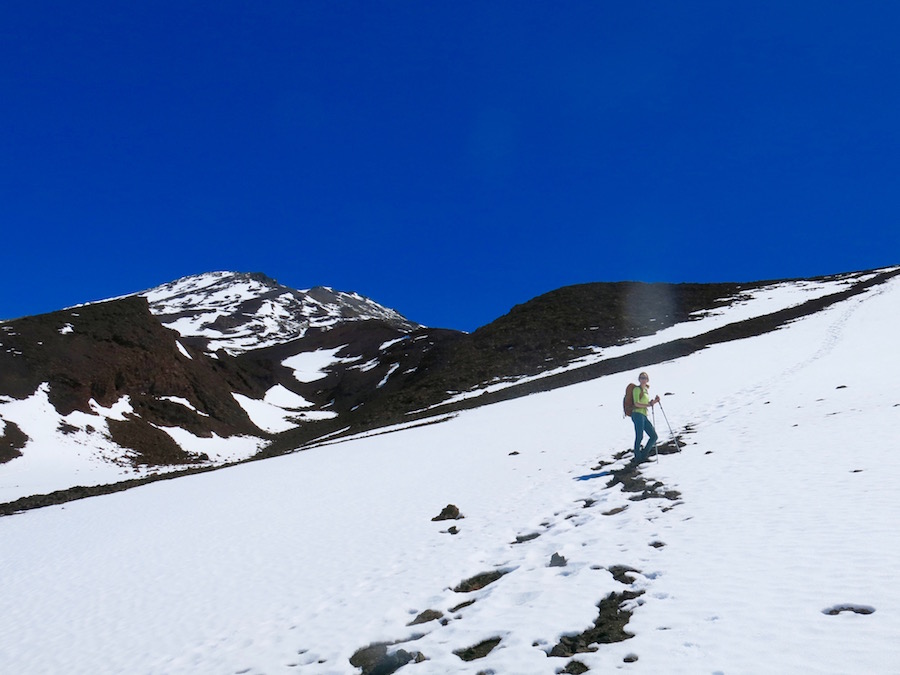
(238, 312)
(205, 370)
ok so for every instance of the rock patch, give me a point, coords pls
(557, 560)
(449, 512)
(522, 538)
(609, 627)
(12, 440)
(479, 581)
(478, 651)
(426, 616)
(375, 659)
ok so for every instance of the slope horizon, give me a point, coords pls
(820, 274)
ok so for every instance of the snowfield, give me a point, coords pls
(768, 545)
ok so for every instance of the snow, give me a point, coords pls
(183, 401)
(115, 412)
(312, 366)
(54, 459)
(76, 449)
(183, 351)
(283, 397)
(219, 450)
(279, 410)
(391, 371)
(266, 416)
(391, 343)
(239, 312)
(786, 511)
(367, 366)
(747, 305)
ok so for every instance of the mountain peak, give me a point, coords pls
(238, 311)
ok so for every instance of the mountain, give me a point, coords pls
(242, 312)
(225, 367)
(761, 538)
(197, 373)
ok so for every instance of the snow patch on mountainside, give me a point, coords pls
(284, 398)
(219, 450)
(61, 450)
(313, 366)
(240, 312)
(77, 449)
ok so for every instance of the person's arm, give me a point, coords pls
(638, 404)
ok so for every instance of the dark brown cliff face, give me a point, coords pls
(105, 351)
(551, 331)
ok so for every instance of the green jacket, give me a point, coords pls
(641, 396)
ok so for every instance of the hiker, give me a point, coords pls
(642, 424)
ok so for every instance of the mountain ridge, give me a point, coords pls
(150, 393)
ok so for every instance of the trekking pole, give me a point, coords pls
(677, 444)
(655, 445)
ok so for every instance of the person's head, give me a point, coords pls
(644, 379)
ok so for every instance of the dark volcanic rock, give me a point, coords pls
(426, 616)
(478, 651)
(479, 581)
(105, 351)
(375, 659)
(608, 627)
(449, 512)
(12, 440)
(557, 560)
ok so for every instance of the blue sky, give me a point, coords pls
(447, 159)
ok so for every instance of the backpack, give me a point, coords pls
(628, 401)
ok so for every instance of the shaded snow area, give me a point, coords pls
(76, 449)
(767, 545)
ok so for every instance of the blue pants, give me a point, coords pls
(642, 424)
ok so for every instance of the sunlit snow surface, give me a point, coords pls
(77, 449)
(787, 508)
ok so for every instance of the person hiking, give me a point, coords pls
(642, 424)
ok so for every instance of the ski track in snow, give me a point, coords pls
(786, 513)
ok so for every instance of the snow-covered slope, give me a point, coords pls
(767, 545)
(89, 395)
(748, 304)
(239, 312)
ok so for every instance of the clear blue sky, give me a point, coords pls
(447, 159)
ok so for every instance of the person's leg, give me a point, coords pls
(651, 437)
(639, 422)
